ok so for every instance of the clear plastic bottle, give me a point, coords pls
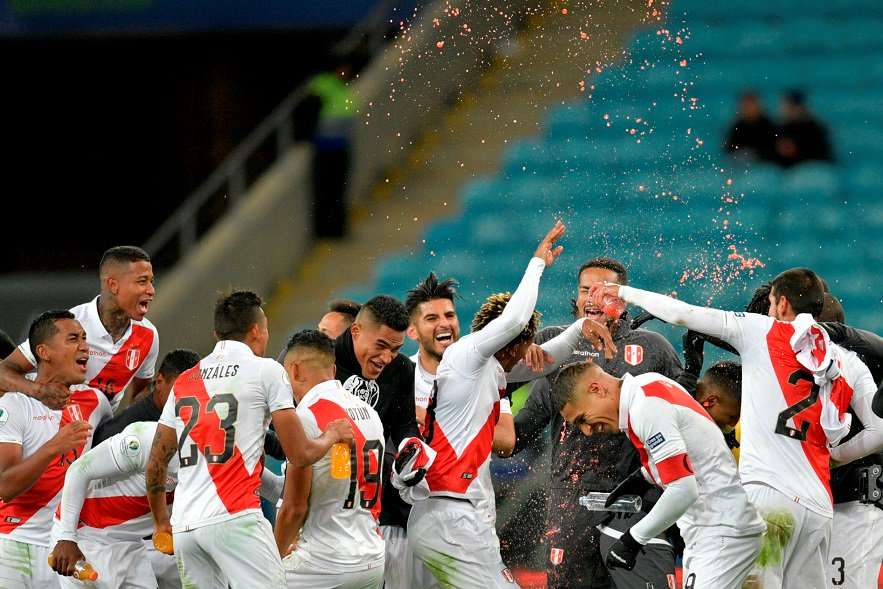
(340, 461)
(625, 504)
(83, 571)
(164, 543)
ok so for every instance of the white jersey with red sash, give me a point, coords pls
(341, 530)
(113, 365)
(675, 437)
(220, 410)
(27, 422)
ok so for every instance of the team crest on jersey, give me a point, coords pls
(366, 390)
(633, 354)
(132, 357)
(4, 416)
(556, 556)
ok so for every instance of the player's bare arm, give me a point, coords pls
(300, 450)
(54, 395)
(504, 435)
(295, 507)
(17, 475)
(161, 451)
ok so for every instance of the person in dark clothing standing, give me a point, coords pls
(753, 134)
(582, 464)
(801, 137)
(370, 367)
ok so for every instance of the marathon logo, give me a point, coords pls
(655, 441)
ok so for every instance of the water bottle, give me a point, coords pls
(340, 461)
(613, 307)
(83, 571)
(625, 504)
(164, 543)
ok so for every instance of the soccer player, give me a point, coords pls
(123, 343)
(682, 451)
(370, 367)
(719, 391)
(340, 316)
(784, 456)
(327, 528)
(215, 419)
(38, 444)
(581, 464)
(449, 531)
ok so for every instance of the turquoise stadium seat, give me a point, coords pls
(672, 205)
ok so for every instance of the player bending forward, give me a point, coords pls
(449, 531)
(327, 528)
(215, 419)
(683, 451)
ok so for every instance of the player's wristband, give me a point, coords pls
(505, 407)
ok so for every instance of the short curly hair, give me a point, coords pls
(493, 308)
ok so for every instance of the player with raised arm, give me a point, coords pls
(327, 529)
(683, 451)
(793, 411)
(38, 445)
(449, 531)
(215, 419)
(123, 344)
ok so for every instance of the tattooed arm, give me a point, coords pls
(164, 447)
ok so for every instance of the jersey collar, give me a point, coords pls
(229, 347)
(320, 390)
(626, 393)
(96, 328)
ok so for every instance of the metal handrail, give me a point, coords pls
(231, 173)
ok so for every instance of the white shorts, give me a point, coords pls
(801, 563)
(239, 551)
(165, 569)
(856, 546)
(457, 545)
(25, 566)
(716, 561)
(403, 570)
(120, 565)
(300, 573)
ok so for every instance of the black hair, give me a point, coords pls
(803, 289)
(7, 346)
(622, 274)
(177, 361)
(43, 328)
(832, 310)
(312, 339)
(387, 311)
(235, 313)
(428, 290)
(760, 300)
(123, 254)
(345, 307)
(564, 385)
(726, 377)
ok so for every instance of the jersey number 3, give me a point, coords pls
(782, 426)
(226, 423)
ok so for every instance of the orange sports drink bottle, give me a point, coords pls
(163, 542)
(340, 461)
(83, 571)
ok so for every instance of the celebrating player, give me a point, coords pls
(327, 528)
(215, 419)
(684, 452)
(787, 422)
(38, 444)
(460, 425)
(123, 344)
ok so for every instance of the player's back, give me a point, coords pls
(782, 444)
(722, 501)
(341, 530)
(220, 410)
(461, 418)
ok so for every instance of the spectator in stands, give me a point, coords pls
(801, 137)
(7, 346)
(753, 134)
